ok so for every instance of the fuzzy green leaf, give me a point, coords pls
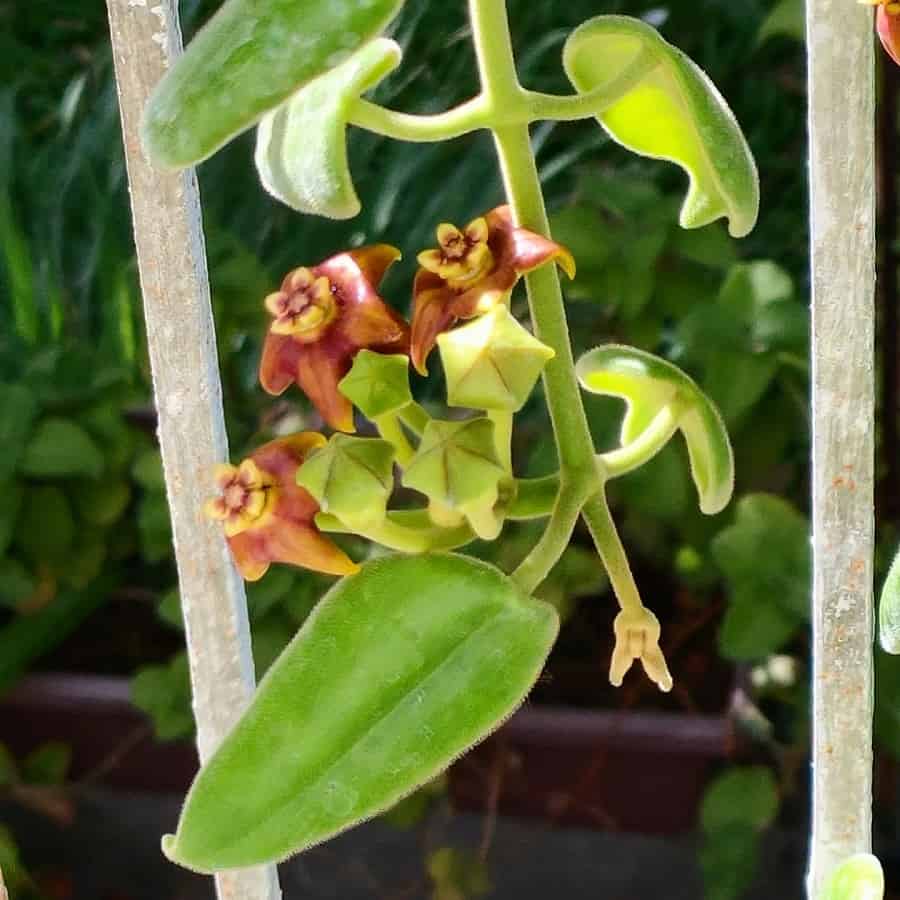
(247, 60)
(301, 147)
(671, 111)
(648, 384)
(399, 670)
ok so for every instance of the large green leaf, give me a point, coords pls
(247, 60)
(856, 878)
(301, 147)
(669, 110)
(648, 384)
(399, 669)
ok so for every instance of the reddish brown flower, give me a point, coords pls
(472, 271)
(268, 518)
(321, 318)
(887, 23)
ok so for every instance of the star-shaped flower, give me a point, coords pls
(267, 518)
(321, 318)
(473, 270)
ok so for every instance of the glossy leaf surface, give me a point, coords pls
(398, 670)
(669, 110)
(648, 384)
(857, 878)
(301, 147)
(247, 60)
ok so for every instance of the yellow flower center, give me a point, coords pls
(462, 257)
(246, 494)
(305, 309)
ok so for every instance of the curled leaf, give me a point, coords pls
(648, 384)
(396, 672)
(301, 147)
(247, 60)
(669, 110)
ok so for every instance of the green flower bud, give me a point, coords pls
(351, 478)
(457, 468)
(492, 362)
(378, 383)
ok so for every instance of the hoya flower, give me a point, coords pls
(321, 318)
(887, 23)
(268, 518)
(637, 637)
(473, 270)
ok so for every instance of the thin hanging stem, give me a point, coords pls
(842, 190)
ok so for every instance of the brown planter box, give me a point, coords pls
(642, 772)
(629, 771)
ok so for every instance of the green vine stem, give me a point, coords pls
(477, 114)
(408, 531)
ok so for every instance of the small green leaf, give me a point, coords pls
(766, 555)
(16, 583)
(672, 111)
(247, 60)
(745, 795)
(101, 502)
(889, 610)
(399, 670)
(164, 693)
(301, 147)
(60, 448)
(12, 493)
(787, 18)
(492, 362)
(648, 384)
(18, 409)
(735, 382)
(457, 874)
(147, 471)
(350, 477)
(48, 764)
(46, 529)
(728, 860)
(751, 631)
(378, 383)
(9, 771)
(858, 878)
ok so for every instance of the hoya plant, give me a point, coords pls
(419, 650)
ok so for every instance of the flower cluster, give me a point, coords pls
(321, 318)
